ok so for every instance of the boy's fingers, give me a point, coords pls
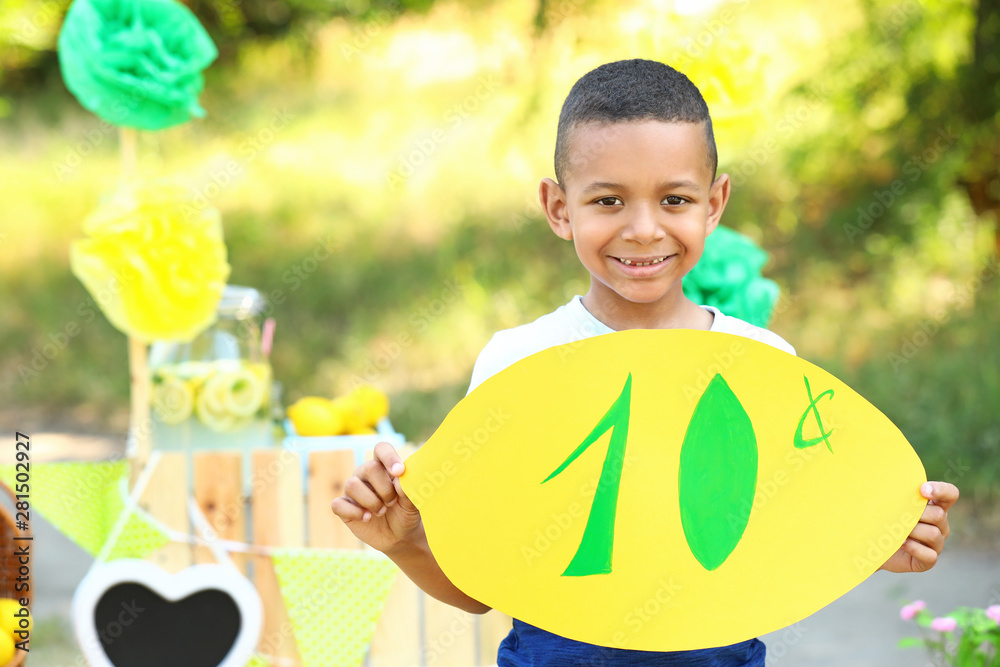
(923, 554)
(385, 453)
(936, 516)
(942, 494)
(404, 500)
(363, 495)
(374, 474)
(347, 510)
(929, 535)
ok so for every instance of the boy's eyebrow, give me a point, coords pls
(603, 185)
(682, 184)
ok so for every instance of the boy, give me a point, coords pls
(637, 193)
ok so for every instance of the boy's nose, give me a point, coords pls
(643, 227)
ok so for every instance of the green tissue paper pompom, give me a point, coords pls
(135, 63)
(728, 278)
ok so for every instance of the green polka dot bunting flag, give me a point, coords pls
(334, 599)
(79, 498)
(258, 661)
(83, 500)
(137, 539)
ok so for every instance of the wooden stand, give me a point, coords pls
(285, 510)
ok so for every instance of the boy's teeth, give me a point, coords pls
(629, 262)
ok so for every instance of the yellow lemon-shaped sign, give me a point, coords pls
(663, 490)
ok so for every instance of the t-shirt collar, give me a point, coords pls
(588, 322)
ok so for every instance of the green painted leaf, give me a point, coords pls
(718, 474)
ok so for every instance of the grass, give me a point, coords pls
(937, 381)
(53, 643)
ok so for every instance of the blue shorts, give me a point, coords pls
(528, 646)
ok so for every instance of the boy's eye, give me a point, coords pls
(608, 201)
(674, 200)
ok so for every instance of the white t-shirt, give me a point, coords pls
(573, 322)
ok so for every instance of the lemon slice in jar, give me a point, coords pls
(194, 372)
(210, 405)
(173, 399)
(244, 392)
(230, 397)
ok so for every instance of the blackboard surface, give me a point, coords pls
(138, 628)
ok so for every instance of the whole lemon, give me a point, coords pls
(315, 415)
(8, 622)
(373, 402)
(6, 648)
(351, 413)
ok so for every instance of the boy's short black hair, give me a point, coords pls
(632, 90)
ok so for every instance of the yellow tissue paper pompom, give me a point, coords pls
(154, 261)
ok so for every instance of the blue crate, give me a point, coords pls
(360, 444)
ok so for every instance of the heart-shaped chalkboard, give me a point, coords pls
(132, 613)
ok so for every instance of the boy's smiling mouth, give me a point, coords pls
(642, 261)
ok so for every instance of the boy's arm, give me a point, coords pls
(416, 560)
(923, 545)
(379, 514)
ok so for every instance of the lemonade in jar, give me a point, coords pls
(214, 392)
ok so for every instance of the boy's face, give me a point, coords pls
(638, 202)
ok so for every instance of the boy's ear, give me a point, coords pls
(718, 196)
(553, 200)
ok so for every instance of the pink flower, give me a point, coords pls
(993, 612)
(909, 611)
(944, 624)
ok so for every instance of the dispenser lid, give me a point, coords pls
(239, 302)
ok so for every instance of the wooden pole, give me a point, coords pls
(129, 141)
(140, 424)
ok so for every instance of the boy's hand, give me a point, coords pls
(920, 550)
(374, 506)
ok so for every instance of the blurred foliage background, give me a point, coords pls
(409, 136)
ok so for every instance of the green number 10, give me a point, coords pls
(717, 477)
(593, 556)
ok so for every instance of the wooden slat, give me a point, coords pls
(397, 638)
(328, 471)
(276, 498)
(493, 627)
(449, 636)
(165, 498)
(218, 490)
(277, 520)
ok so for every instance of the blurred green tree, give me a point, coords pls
(914, 94)
(29, 28)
